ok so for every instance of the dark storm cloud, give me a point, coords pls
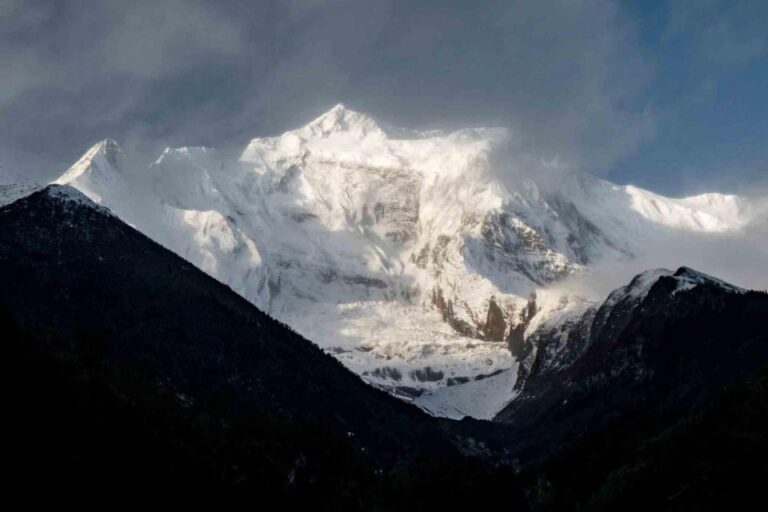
(567, 76)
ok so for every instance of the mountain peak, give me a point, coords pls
(101, 164)
(641, 284)
(185, 152)
(340, 119)
(107, 151)
(104, 156)
(339, 107)
(689, 278)
(688, 272)
(684, 278)
(337, 132)
(111, 150)
(336, 113)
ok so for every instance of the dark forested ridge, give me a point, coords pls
(136, 376)
(661, 353)
(714, 457)
(133, 380)
(664, 405)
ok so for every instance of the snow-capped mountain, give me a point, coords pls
(416, 258)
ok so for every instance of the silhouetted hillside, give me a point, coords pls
(137, 378)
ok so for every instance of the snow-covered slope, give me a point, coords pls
(629, 215)
(99, 173)
(415, 258)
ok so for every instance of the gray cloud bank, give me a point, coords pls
(567, 76)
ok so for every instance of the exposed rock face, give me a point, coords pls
(495, 326)
(516, 339)
(427, 374)
(511, 244)
(445, 307)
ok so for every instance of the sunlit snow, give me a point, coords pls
(370, 242)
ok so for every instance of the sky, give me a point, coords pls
(668, 95)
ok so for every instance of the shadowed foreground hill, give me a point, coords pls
(712, 458)
(665, 344)
(138, 379)
(656, 400)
